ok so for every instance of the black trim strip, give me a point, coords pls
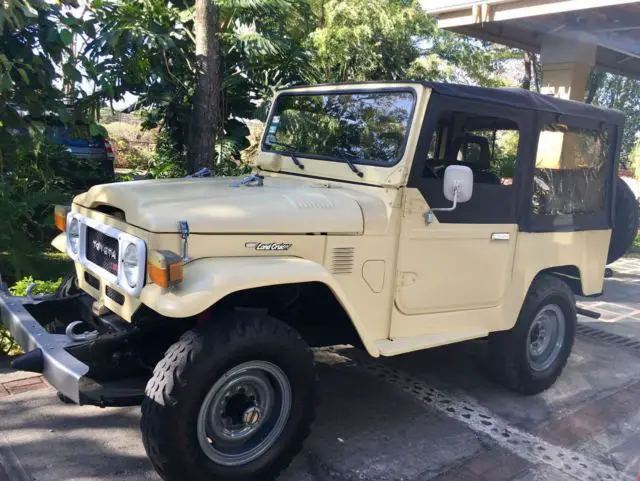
(338, 181)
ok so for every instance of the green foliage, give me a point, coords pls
(622, 93)
(146, 48)
(368, 39)
(634, 159)
(7, 343)
(130, 156)
(36, 179)
(39, 77)
(506, 153)
(168, 161)
(41, 287)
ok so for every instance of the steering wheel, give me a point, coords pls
(428, 169)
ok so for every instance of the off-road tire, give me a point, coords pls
(68, 287)
(508, 349)
(625, 222)
(190, 368)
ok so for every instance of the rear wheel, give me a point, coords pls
(531, 356)
(625, 222)
(233, 401)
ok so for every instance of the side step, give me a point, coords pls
(123, 392)
(402, 345)
(588, 313)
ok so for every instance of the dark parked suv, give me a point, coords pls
(93, 149)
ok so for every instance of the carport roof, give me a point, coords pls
(614, 26)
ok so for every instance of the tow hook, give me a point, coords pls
(84, 336)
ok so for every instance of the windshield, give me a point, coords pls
(368, 128)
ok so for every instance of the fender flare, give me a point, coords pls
(207, 281)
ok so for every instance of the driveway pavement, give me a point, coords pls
(431, 415)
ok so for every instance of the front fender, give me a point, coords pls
(206, 281)
(60, 242)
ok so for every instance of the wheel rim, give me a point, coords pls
(244, 413)
(546, 337)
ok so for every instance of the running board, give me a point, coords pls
(588, 313)
(402, 345)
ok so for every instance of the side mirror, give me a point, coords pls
(458, 184)
(458, 187)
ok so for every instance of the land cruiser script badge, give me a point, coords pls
(268, 246)
(105, 250)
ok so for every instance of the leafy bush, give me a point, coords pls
(132, 145)
(129, 156)
(41, 287)
(167, 162)
(34, 176)
(7, 343)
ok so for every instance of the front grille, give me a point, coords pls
(114, 295)
(102, 250)
(92, 281)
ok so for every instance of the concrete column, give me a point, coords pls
(566, 64)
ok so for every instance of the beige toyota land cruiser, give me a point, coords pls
(390, 216)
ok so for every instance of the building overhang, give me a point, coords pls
(613, 26)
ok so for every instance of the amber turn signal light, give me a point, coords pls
(165, 268)
(60, 216)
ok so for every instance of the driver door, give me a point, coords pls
(462, 261)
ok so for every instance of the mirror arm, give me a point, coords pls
(429, 215)
(453, 207)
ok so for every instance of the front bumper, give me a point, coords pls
(63, 371)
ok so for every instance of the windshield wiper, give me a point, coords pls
(290, 151)
(351, 165)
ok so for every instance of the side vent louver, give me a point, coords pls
(342, 260)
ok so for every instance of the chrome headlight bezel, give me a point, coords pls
(121, 280)
(73, 236)
(127, 241)
(131, 265)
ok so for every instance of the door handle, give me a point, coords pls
(500, 236)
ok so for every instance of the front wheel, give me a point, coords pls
(530, 357)
(233, 401)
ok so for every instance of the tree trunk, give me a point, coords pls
(526, 80)
(206, 117)
(596, 79)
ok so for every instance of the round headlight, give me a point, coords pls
(130, 265)
(73, 236)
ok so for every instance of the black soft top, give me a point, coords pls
(512, 97)
(515, 97)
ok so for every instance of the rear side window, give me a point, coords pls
(570, 175)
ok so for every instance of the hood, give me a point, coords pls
(217, 206)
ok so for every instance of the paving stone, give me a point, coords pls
(544, 473)
(483, 463)
(458, 474)
(503, 473)
(617, 308)
(24, 385)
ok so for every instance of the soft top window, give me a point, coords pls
(570, 174)
(365, 127)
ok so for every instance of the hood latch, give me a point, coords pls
(184, 234)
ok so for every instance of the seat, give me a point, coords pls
(481, 167)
